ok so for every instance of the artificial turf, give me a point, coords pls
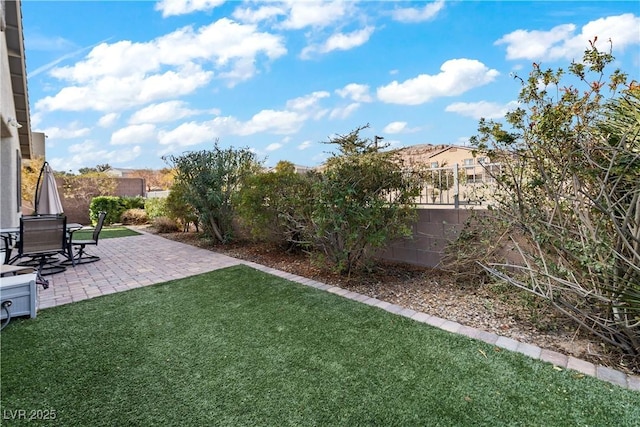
(241, 347)
(105, 233)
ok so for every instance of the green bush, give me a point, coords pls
(134, 217)
(156, 207)
(136, 202)
(275, 205)
(178, 207)
(211, 179)
(569, 184)
(361, 201)
(112, 205)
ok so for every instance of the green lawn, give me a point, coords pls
(105, 233)
(241, 347)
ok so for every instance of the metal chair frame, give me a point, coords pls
(82, 257)
(42, 238)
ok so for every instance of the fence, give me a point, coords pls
(457, 185)
(157, 194)
(431, 234)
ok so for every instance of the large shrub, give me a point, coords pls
(178, 208)
(112, 205)
(135, 202)
(362, 200)
(210, 179)
(275, 205)
(570, 185)
(156, 207)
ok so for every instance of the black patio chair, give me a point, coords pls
(80, 256)
(42, 239)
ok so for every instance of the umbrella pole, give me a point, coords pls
(38, 190)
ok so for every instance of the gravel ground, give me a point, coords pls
(494, 307)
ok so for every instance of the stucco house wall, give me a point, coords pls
(10, 154)
(441, 155)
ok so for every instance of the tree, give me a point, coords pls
(570, 187)
(98, 168)
(210, 179)
(29, 180)
(276, 204)
(363, 199)
(83, 188)
(154, 179)
(178, 207)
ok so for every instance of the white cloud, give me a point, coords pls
(35, 118)
(134, 134)
(317, 14)
(93, 153)
(272, 121)
(411, 14)
(274, 146)
(183, 7)
(260, 14)
(348, 41)
(108, 120)
(164, 112)
(118, 59)
(397, 127)
(185, 135)
(339, 41)
(51, 64)
(278, 122)
(457, 76)
(304, 145)
(127, 74)
(192, 133)
(73, 131)
(172, 83)
(355, 92)
(482, 109)
(307, 102)
(344, 112)
(561, 42)
(111, 93)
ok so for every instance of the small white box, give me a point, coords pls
(21, 291)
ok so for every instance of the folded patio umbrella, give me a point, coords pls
(47, 197)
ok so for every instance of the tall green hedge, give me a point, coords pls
(112, 205)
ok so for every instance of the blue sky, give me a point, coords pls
(126, 82)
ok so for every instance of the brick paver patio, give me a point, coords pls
(128, 263)
(136, 261)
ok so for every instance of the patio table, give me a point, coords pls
(10, 236)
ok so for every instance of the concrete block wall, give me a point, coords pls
(78, 210)
(431, 233)
(130, 187)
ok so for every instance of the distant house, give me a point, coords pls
(15, 124)
(436, 156)
(297, 169)
(122, 173)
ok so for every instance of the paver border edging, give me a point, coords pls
(559, 360)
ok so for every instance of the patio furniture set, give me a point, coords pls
(41, 240)
(45, 244)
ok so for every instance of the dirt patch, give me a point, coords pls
(496, 308)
